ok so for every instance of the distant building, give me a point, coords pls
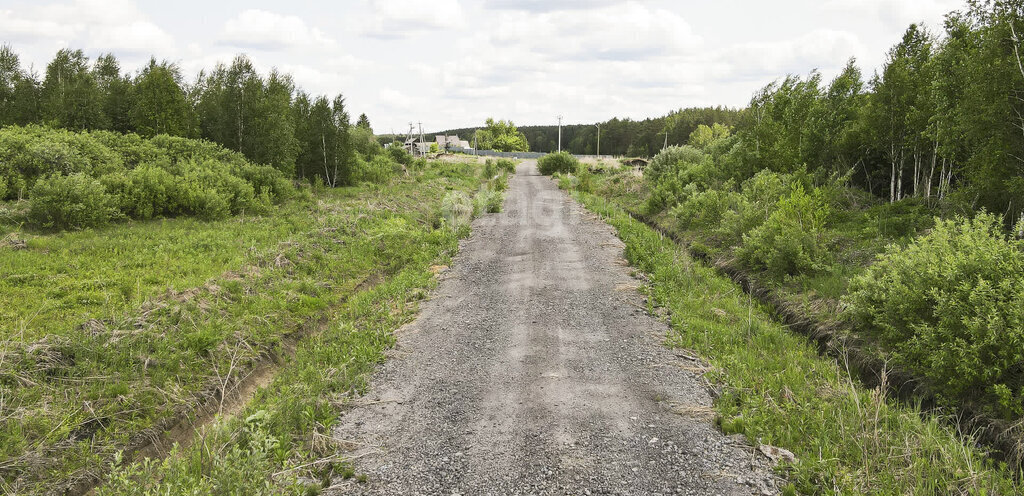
(449, 142)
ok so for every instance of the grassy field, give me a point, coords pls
(777, 390)
(114, 335)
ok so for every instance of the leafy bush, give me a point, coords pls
(487, 200)
(3, 187)
(489, 170)
(666, 193)
(507, 165)
(706, 209)
(562, 162)
(791, 240)
(500, 183)
(456, 210)
(400, 154)
(377, 170)
(586, 179)
(667, 161)
(950, 307)
(71, 202)
(146, 178)
(144, 193)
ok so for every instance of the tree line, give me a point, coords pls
(264, 117)
(943, 118)
(636, 138)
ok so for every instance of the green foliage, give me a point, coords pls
(71, 202)
(487, 200)
(562, 162)
(950, 307)
(792, 240)
(204, 307)
(160, 103)
(400, 154)
(779, 391)
(507, 165)
(674, 174)
(162, 176)
(705, 136)
(70, 97)
(457, 210)
(489, 170)
(669, 160)
(502, 136)
(379, 169)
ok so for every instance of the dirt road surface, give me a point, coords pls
(533, 369)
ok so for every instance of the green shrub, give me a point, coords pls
(71, 202)
(567, 182)
(400, 154)
(950, 307)
(500, 183)
(507, 165)
(377, 170)
(456, 210)
(3, 187)
(145, 192)
(133, 149)
(586, 179)
(791, 240)
(667, 161)
(489, 170)
(562, 162)
(487, 200)
(706, 209)
(666, 193)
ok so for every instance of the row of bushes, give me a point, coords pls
(75, 180)
(947, 305)
(944, 299)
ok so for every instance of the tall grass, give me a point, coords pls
(112, 333)
(777, 390)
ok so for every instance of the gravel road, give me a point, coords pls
(533, 369)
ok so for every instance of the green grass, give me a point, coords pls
(281, 442)
(777, 390)
(153, 318)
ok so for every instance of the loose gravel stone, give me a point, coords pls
(533, 369)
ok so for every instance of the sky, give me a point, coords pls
(453, 63)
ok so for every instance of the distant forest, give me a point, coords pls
(620, 136)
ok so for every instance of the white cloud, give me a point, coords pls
(114, 25)
(393, 19)
(136, 37)
(455, 62)
(819, 49)
(260, 29)
(395, 99)
(13, 27)
(629, 31)
(899, 13)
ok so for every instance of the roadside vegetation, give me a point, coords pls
(898, 248)
(114, 335)
(264, 118)
(774, 387)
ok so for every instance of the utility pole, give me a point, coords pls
(559, 133)
(420, 146)
(474, 141)
(598, 140)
